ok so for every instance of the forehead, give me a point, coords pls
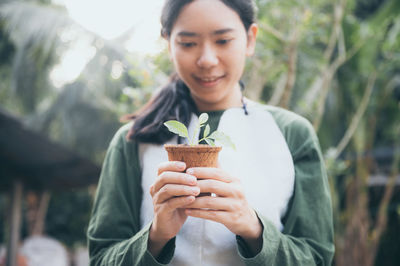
(204, 16)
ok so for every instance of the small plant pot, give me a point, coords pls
(194, 156)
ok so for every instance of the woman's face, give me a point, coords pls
(208, 46)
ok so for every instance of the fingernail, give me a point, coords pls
(191, 198)
(191, 179)
(195, 190)
(190, 171)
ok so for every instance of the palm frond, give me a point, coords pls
(29, 22)
(34, 30)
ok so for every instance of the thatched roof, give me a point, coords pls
(39, 162)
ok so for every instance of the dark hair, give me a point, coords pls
(244, 8)
(171, 102)
(174, 100)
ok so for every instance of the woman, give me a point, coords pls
(272, 205)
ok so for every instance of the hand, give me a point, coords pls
(172, 191)
(229, 207)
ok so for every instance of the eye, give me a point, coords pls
(187, 44)
(224, 41)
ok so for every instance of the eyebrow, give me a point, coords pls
(194, 34)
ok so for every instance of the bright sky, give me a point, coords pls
(109, 19)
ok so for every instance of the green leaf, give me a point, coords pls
(223, 139)
(215, 135)
(177, 128)
(206, 131)
(210, 142)
(203, 118)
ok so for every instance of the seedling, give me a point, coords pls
(181, 130)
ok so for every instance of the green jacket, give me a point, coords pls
(115, 237)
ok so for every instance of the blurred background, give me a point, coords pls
(70, 69)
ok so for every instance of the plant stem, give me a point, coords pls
(191, 143)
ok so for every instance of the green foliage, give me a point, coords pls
(3, 218)
(7, 49)
(338, 48)
(68, 216)
(163, 62)
(180, 129)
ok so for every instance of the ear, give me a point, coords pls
(251, 39)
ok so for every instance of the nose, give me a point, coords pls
(207, 58)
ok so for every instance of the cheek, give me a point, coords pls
(235, 63)
(236, 56)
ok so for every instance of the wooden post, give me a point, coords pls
(15, 223)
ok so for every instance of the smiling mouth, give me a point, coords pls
(209, 81)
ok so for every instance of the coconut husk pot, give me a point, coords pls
(194, 156)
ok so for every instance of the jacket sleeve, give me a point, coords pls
(307, 237)
(114, 233)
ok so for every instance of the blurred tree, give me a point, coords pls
(337, 63)
(100, 94)
(34, 39)
(82, 114)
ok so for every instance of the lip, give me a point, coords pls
(208, 81)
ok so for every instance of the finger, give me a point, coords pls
(172, 190)
(174, 166)
(177, 202)
(214, 203)
(151, 190)
(213, 215)
(220, 188)
(174, 178)
(210, 173)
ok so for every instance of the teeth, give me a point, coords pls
(208, 79)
